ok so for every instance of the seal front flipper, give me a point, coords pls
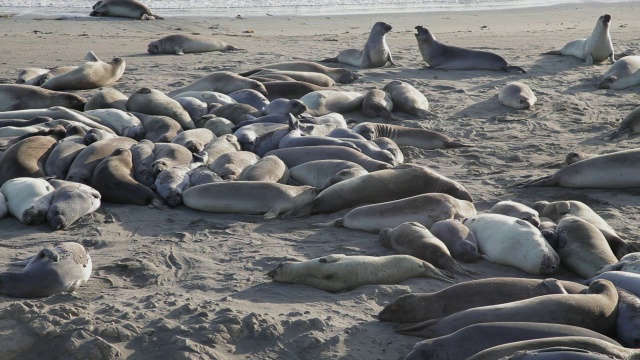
(554, 52)
(333, 59)
(420, 329)
(91, 56)
(272, 213)
(516, 68)
(179, 51)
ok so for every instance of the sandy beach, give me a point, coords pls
(184, 284)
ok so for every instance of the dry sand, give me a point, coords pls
(181, 284)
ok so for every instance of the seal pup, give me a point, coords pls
(236, 113)
(594, 49)
(250, 97)
(340, 75)
(83, 165)
(218, 125)
(284, 106)
(171, 183)
(375, 54)
(123, 8)
(328, 101)
(170, 155)
(107, 98)
(91, 75)
(324, 173)
(142, 157)
(29, 75)
(516, 210)
(159, 128)
(28, 199)
(509, 241)
(377, 103)
(381, 186)
(70, 202)
(630, 125)
(459, 240)
(596, 310)
(269, 168)
(57, 113)
(181, 44)
(196, 108)
(338, 272)
(26, 158)
(623, 74)
(425, 209)
(61, 157)
(389, 145)
(222, 145)
(517, 95)
(408, 99)
(406, 136)
(120, 122)
(230, 165)
(155, 102)
(446, 57)
(248, 197)
(225, 82)
(412, 238)
(548, 229)
(194, 140)
(63, 268)
(22, 97)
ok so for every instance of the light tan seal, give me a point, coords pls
(224, 82)
(516, 210)
(123, 8)
(338, 272)
(26, 158)
(630, 125)
(517, 95)
(155, 102)
(181, 44)
(408, 99)
(375, 54)
(593, 49)
(23, 97)
(623, 74)
(340, 75)
(91, 75)
(269, 168)
(328, 101)
(70, 202)
(28, 199)
(107, 98)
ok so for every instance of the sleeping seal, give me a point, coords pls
(181, 44)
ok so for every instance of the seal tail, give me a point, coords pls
(515, 68)
(300, 212)
(422, 329)
(545, 181)
(554, 52)
(616, 134)
(337, 223)
(456, 144)
(330, 60)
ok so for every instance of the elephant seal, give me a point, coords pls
(594, 49)
(473, 339)
(384, 143)
(337, 272)
(142, 156)
(122, 123)
(575, 156)
(28, 199)
(576, 344)
(509, 241)
(583, 249)
(411, 308)
(225, 82)
(558, 209)
(517, 95)
(61, 157)
(324, 173)
(222, 145)
(107, 98)
(154, 102)
(413, 238)
(341, 133)
(623, 74)
(112, 178)
(284, 106)
(194, 140)
(23, 97)
(62, 269)
(446, 57)
(4, 211)
(218, 125)
(408, 99)
(327, 101)
(516, 210)
(290, 89)
(123, 8)
(196, 108)
(596, 310)
(230, 165)
(83, 165)
(26, 158)
(181, 44)
(372, 150)
(159, 128)
(250, 97)
(375, 54)
(269, 168)
(95, 135)
(170, 155)
(236, 113)
(203, 175)
(28, 76)
(310, 77)
(295, 156)
(628, 263)
(405, 136)
(70, 202)
(171, 183)
(248, 197)
(548, 229)
(461, 243)
(91, 75)
(629, 281)
(377, 103)
(425, 209)
(381, 186)
(60, 113)
(630, 125)
(340, 75)
(208, 97)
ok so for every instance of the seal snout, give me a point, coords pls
(607, 19)
(273, 273)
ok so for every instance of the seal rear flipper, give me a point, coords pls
(158, 203)
(545, 181)
(91, 56)
(332, 60)
(422, 329)
(300, 212)
(554, 52)
(272, 213)
(616, 134)
(337, 223)
(456, 144)
(516, 68)
(250, 72)
(426, 114)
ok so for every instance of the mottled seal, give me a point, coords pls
(596, 310)
(248, 197)
(594, 49)
(230, 165)
(93, 74)
(509, 241)
(382, 186)
(517, 95)
(155, 102)
(461, 242)
(328, 101)
(412, 238)
(222, 81)
(28, 199)
(377, 103)
(107, 98)
(630, 125)
(376, 52)
(61, 269)
(83, 166)
(408, 99)
(425, 209)
(623, 74)
(26, 158)
(70, 202)
(337, 272)
(123, 8)
(269, 168)
(159, 128)
(181, 44)
(324, 173)
(516, 210)
(22, 97)
(405, 136)
(194, 140)
(446, 57)
(340, 75)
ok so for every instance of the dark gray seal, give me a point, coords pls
(70, 202)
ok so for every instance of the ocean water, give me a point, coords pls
(229, 8)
